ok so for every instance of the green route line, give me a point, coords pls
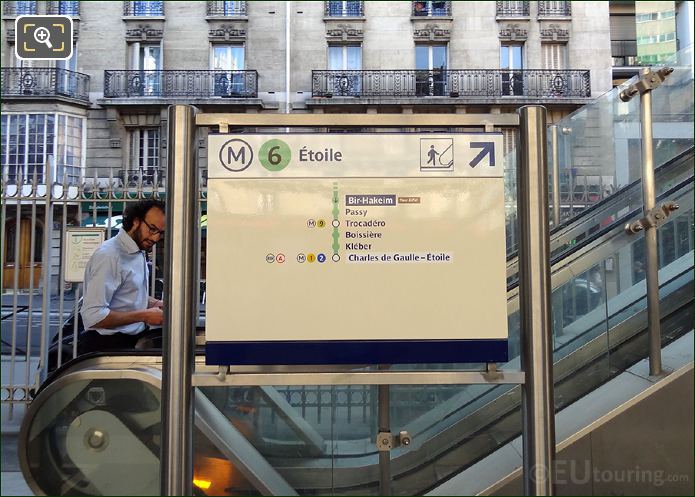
(336, 211)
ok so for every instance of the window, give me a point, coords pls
(655, 16)
(146, 59)
(143, 8)
(554, 55)
(550, 9)
(512, 9)
(344, 8)
(227, 62)
(66, 77)
(431, 8)
(344, 57)
(226, 8)
(144, 157)
(430, 74)
(22, 8)
(69, 8)
(511, 65)
(69, 149)
(29, 139)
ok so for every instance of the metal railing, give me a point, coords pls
(144, 8)
(554, 9)
(512, 9)
(431, 9)
(184, 83)
(344, 8)
(149, 176)
(44, 82)
(226, 9)
(455, 83)
(96, 202)
(69, 8)
(18, 8)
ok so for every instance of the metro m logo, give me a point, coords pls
(236, 155)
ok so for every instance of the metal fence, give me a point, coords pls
(39, 307)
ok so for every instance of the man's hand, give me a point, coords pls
(153, 302)
(153, 316)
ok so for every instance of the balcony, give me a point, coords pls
(345, 8)
(181, 84)
(226, 9)
(44, 82)
(431, 9)
(148, 8)
(13, 9)
(512, 9)
(554, 9)
(70, 8)
(453, 83)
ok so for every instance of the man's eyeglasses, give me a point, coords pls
(154, 230)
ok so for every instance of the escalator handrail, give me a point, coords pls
(617, 196)
(617, 224)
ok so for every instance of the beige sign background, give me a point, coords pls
(421, 257)
(80, 243)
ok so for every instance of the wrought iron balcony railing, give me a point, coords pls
(454, 83)
(70, 8)
(554, 9)
(144, 8)
(186, 84)
(226, 9)
(18, 8)
(344, 8)
(44, 82)
(431, 9)
(512, 9)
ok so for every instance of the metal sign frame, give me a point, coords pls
(181, 312)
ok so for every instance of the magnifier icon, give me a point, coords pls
(42, 35)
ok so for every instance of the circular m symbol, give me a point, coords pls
(236, 155)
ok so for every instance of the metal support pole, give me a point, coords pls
(384, 426)
(649, 81)
(181, 289)
(556, 176)
(46, 262)
(534, 294)
(651, 250)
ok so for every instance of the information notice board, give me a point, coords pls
(80, 244)
(355, 249)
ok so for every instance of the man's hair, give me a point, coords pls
(138, 210)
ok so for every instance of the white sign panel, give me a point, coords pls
(379, 248)
(80, 244)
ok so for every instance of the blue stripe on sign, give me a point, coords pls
(355, 352)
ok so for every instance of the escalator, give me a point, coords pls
(94, 428)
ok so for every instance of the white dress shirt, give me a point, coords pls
(115, 279)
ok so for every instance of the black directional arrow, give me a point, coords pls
(488, 148)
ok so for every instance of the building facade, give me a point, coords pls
(101, 115)
(132, 59)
